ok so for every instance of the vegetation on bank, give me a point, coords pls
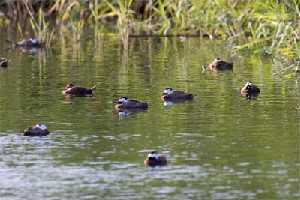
(266, 26)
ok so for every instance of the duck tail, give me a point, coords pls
(94, 87)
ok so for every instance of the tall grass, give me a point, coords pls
(263, 26)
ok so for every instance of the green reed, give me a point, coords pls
(262, 26)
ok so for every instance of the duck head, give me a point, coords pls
(168, 91)
(248, 86)
(68, 86)
(122, 100)
(41, 126)
(34, 41)
(153, 155)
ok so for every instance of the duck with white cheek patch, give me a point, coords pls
(169, 94)
(72, 90)
(37, 130)
(125, 103)
(154, 159)
(249, 90)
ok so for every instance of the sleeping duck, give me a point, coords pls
(220, 65)
(72, 90)
(30, 43)
(250, 90)
(3, 62)
(154, 159)
(36, 130)
(125, 103)
(170, 94)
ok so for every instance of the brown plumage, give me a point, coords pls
(37, 130)
(72, 90)
(125, 103)
(220, 65)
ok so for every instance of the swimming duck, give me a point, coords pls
(169, 94)
(125, 103)
(250, 90)
(220, 65)
(3, 62)
(36, 130)
(72, 90)
(154, 159)
(30, 43)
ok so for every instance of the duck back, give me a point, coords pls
(79, 91)
(178, 95)
(35, 132)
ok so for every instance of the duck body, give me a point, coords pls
(220, 65)
(72, 90)
(154, 159)
(124, 103)
(250, 90)
(30, 43)
(173, 95)
(3, 62)
(37, 130)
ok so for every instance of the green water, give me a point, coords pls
(219, 146)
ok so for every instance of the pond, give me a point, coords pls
(219, 146)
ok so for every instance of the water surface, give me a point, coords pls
(219, 146)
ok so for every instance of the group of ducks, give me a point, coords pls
(249, 90)
(123, 103)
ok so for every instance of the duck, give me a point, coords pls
(154, 159)
(169, 94)
(30, 43)
(124, 103)
(250, 90)
(37, 130)
(3, 62)
(219, 65)
(72, 90)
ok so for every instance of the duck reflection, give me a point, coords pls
(126, 113)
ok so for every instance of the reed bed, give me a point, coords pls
(268, 27)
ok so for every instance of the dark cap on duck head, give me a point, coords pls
(122, 99)
(70, 85)
(248, 84)
(168, 90)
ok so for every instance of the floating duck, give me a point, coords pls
(170, 94)
(72, 90)
(250, 90)
(220, 65)
(125, 103)
(3, 62)
(154, 159)
(30, 43)
(36, 130)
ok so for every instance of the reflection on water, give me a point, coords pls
(219, 146)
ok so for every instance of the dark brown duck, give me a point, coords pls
(30, 43)
(72, 90)
(3, 62)
(169, 94)
(220, 65)
(250, 90)
(37, 130)
(125, 103)
(154, 159)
